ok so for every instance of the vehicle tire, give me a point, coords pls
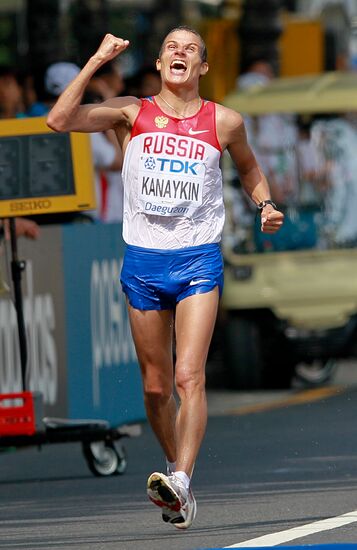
(242, 353)
(316, 373)
(278, 360)
(257, 355)
(104, 458)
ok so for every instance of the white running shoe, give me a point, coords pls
(188, 510)
(169, 493)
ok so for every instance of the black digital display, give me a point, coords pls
(37, 165)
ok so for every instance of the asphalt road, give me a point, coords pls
(270, 462)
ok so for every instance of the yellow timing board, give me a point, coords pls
(43, 172)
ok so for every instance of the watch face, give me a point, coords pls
(262, 204)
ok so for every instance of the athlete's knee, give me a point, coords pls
(189, 380)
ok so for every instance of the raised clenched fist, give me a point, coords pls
(110, 47)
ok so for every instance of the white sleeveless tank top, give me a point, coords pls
(172, 180)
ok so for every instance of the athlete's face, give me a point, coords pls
(180, 60)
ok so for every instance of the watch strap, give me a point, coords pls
(262, 204)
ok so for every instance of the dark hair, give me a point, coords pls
(203, 49)
(248, 63)
(107, 68)
(90, 96)
(6, 70)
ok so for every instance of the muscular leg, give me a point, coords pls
(152, 333)
(195, 320)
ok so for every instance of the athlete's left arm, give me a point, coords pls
(233, 137)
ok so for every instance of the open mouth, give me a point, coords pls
(178, 66)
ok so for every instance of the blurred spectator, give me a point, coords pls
(49, 85)
(273, 138)
(150, 83)
(23, 228)
(107, 155)
(107, 81)
(27, 83)
(11, 98)
(144, 83)
(282, 149)
(257, 73)
(107, 161)
(12, 106)
(39, 96)
(113, 211)
(335, 140)
(310, 168)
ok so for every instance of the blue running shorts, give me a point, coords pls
(158, 279)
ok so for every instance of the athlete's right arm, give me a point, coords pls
(68, 115)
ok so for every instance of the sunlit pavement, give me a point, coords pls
(222, 402)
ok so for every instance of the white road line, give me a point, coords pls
(297, 532)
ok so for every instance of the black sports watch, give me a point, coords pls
(262, 204)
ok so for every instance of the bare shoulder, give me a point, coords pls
(230, 125)
(228, 116)
(110, 113)
(121, 102)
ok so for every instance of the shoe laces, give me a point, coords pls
(177, 482)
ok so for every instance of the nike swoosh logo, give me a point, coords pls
(198, 281)
(195, 132)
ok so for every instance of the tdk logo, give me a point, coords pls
(173, 166)
(178, 166)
